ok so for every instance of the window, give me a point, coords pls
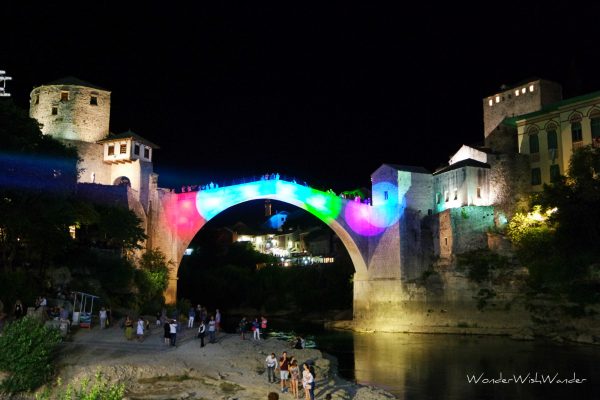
(146, 152)
(37, 99)
(478, 192)
(576, 133)
(111, 150)
(491, 102)
(136, 149)
(93, 100)
(517, 92)
(54, 110)
(446, 196)
(552, 139)
(455, 194)
(523, 90)
(438, 198)
(123, 149)
(385, 195)
(595, 122)
(64, 96)
(536, 176)
(531, 88)
(554, 173)
(534, 144)
(497, 99)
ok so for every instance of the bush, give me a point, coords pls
(28, 351)
(100, 389)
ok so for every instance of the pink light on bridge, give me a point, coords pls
(182, 216)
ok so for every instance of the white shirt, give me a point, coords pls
(173, 327)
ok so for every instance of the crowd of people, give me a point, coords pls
(292, 377)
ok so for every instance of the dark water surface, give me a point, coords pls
(421, 366)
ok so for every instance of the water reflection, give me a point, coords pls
(436, 366)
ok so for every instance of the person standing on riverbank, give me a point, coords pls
(271, 361)
(173, 326)
(201, 332)
(103, 317)
(255, 329)
(294, 377)
(212, 328)
(307, 382)
(140, 329)
(128, 328)
(218, 320)
(284, 366)
(242, 327)
(167, 332)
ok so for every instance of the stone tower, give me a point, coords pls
(71, 109)
(523, 98)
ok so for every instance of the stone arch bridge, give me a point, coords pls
(383, 239)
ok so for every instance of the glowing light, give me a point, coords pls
(491, 102)
(531, 88)
(517, 92)
(497, 99)
(523, 90)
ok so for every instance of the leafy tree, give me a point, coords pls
(152, 279)
(28, 351)
(558, 240)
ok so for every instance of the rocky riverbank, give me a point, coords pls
(229, 369)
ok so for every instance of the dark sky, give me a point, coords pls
(323, 92)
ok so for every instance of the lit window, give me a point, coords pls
(136, 149)
(531, 88)
(146, 152)
(94, 100)
(54, 110)
(497, 99)
(517, 92)
(523, 90)
(64, 96)
(491, 102)
(111, 150)
(536, 176)
(123, 149)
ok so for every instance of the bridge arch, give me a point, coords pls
(184, 214)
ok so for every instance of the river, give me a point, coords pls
(422, 366)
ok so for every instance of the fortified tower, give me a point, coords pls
(71, 109)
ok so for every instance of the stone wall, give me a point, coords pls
(510, 183)
(458, 230)
(75, 118)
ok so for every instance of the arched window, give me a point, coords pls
(552, 137)
(595, 125)
(576, 132)
(534, 144)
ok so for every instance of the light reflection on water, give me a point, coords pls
(418, 366)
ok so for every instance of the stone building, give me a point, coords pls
(78, 114)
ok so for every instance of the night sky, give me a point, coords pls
(325, 93)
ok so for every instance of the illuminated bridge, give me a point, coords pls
(383, 239)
